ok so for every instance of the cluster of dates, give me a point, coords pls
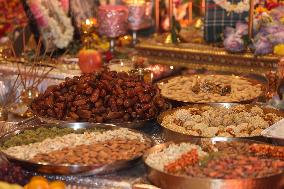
(100, 97)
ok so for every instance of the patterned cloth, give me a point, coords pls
(217, 19)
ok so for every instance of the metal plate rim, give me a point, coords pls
(72, 166)
(264, 87)
(162, 115)
(199, 179)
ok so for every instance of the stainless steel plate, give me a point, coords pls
(275, 133)
(173, 135)
(132, 125)
(68, 169)
(169, 181)
(129, 124)
(252, 78)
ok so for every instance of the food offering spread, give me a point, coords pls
(211, 88)
(208, 161)
(220, 120)
(82, 102)
(107, 96)
(93, 146)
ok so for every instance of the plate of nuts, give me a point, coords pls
(74, 148)
(215, 163)
(212, 88)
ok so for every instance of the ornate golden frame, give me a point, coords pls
(198, 56)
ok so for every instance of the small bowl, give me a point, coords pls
(121, 65)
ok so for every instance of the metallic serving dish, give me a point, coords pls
(274, 133)
(172, 135)
(130, 124)
(137, 124)
(252, 78)
(170, 181)
(68, 169)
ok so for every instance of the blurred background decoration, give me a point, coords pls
(12, 16)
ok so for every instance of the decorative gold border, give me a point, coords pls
(205, 56)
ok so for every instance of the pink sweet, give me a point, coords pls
(65, 5)
(112, 20)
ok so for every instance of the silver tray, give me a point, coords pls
(132, 125)
(252, 78)
(169, 181)
(174, 135)
(129, 124)
(68, 169)
(275, 135)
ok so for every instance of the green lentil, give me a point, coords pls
(40, 134)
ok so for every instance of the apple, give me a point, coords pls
(90, 60)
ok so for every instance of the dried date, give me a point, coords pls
(100, 97)
(85, 114)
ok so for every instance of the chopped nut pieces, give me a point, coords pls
(236, 167)
(187, 159)
(268, 150)
(228, 160)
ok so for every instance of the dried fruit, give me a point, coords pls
(102, 97)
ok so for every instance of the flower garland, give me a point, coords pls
(242, 6)
(65, 5)
(54, 24)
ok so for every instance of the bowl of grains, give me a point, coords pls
(215, 164)
(74, 148)
(210, 88)
(218, 120)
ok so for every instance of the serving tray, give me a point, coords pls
(68, 169)
(172, 135)
(170, 181)
(253, 79)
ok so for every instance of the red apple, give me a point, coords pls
(90, 60)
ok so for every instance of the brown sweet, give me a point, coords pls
(102, 97)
